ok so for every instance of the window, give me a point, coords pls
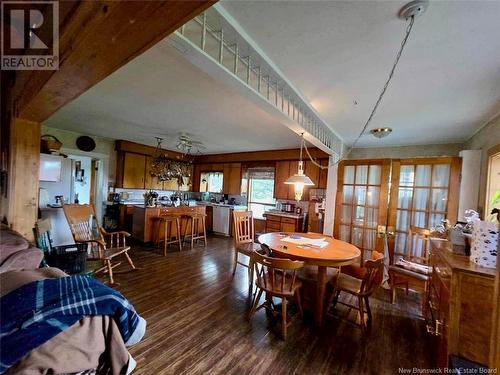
(260, 191)
(211, 182)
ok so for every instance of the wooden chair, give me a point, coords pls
(361, 288)
(276, 277)
(103, 246)
(244, 240)
(417, 251)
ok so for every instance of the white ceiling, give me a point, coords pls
(335, 53)
(447, 84)
(161, 94)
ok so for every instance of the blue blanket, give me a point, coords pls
(38, 311)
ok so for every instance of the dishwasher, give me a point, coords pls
(221, 217)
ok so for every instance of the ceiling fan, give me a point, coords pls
(185, 143)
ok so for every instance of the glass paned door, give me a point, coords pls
(395, 195)
(361, 205)
(424, 191)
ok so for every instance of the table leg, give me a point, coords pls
(320, 297)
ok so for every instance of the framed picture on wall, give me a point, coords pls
(79, 172)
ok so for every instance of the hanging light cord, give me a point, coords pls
(374, 110)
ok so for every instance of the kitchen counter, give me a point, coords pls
(143, 222)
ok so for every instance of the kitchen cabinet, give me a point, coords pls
(232, 178)
(294, 166)
(133, 172)
(126, 218)
(323, 175)
(281, 174)
(312, 171)
(209, 220)
(278, 223)
(134, 167)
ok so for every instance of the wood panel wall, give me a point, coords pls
(23, 182)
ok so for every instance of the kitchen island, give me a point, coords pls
(144, 226)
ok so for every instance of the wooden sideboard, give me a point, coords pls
(460, 306)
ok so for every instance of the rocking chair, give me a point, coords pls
(104, 246)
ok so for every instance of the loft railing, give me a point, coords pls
(216, 36)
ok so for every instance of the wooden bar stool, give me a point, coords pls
(195, 219)
(167, 222)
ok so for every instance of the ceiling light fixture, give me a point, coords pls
(299, 179)
(381, 132)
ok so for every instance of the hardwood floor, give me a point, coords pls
(197, 324)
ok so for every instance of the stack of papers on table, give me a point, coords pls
(305, 241)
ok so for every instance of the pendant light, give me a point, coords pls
(299, 179)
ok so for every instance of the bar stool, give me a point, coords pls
(167, 222)
(195, 218)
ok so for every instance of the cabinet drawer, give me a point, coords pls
(273, 218)
(273, 225)
(288, 220)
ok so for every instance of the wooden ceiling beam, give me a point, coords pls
(96, 38)
(274, 155)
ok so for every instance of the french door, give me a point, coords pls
(377, 197)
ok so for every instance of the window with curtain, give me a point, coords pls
(260, 190)
(211, 182)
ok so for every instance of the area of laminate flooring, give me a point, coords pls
(197, 323)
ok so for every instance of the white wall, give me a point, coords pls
(331, 193)
(483, 140)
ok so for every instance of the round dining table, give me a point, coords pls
(335, 254)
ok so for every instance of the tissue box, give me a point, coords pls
(484, 243)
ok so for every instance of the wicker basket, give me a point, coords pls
(69, 258)
(49, 143)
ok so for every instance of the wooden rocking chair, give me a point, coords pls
(104, 246)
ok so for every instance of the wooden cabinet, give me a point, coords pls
(281, 174)
(277, 223)
(134, 167)
(312, 171)
(460, 307)
(210, 219)
(232, 178)
(323, 175)
(126, 218)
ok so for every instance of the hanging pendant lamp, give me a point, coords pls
(299, 179)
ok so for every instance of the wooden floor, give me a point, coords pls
(197, 324)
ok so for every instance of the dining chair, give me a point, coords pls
(412, 266)
(361, 288)
(104, 246)
(244, 241)
(277, 277)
